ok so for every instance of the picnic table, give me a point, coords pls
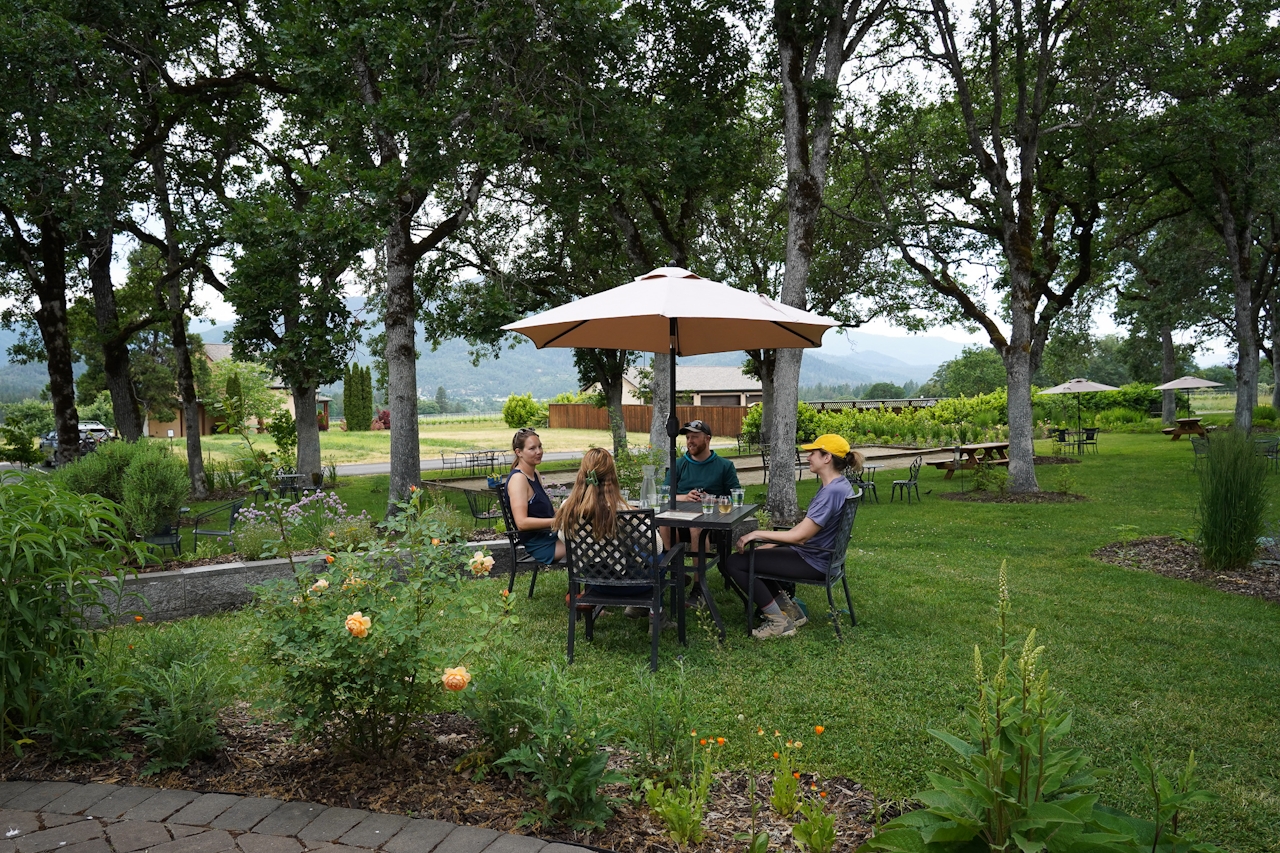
(971, 455)
(1186, 426)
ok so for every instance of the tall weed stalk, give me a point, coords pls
(1234, 491)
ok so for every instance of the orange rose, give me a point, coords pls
(456, 678)
(328, 558)
(320, 585)
(358, 624)
(480, 564)
(435, 541)
(413, 488)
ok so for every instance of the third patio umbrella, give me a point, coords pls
(1078, 387)
(673, 310)
(1188, 383)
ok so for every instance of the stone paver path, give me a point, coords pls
(63, 817)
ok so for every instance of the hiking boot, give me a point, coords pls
(789, 607)
(779, 625)
(635, 611)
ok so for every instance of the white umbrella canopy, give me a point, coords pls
(708, 317)
(1078, 387)
(673, 310)
(1186, 383)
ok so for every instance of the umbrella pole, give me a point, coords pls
(673, 422)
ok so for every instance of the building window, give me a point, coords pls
(721, 399)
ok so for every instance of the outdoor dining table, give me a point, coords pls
(482, 460)
(716, 526)
(989, 452)
(1186, 426)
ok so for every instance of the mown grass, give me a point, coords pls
(1143, 660)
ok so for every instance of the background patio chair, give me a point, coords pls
(1061, 442)
(1089, 439)
(768, 458)
(911, 483)
(1201, 448)
(513, 538)
(483, 506)
(859, 481)
(206, 522)
(1268, 447)
(628, 570)
(166, 536)
(835, 569)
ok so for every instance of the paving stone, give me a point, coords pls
(24, 822)
(160, 805)
(97, 845)
(210, 841)
(557, 847)
(374, 831)
(9, 790)
(39, 795)
(121, 801)
(180, 830)
(332, 825)
(129, 835)
(419, 836)
(289, 818)
(62, 836)
(204, 809)
(467, 839)
(516, 844)
(336, 848)
(74, 802)
(8, 847)
(246, 814)
(252, 842)
(50, 819)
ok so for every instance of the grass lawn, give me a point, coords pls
(1143, 660)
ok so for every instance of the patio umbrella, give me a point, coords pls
(1078, 387)
(673, 310)
(1188, 383)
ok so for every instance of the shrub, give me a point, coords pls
(257, 536)
(83, 708)
(520, 410)
(285, 433)
(809, 423)
(309, 522)
(1234, 492)
(19, 444)
(178, 719)
(990, 478)
(359, 651)
(502, 705)
(155, 487)
(1264, 413)
(53, 543)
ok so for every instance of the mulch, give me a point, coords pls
(1176, 558)
(259, 759)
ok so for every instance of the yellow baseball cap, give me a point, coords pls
(832, 443)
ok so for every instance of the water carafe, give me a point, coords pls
(648, 488)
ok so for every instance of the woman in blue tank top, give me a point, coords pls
(530, 504)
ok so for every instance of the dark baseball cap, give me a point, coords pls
(695, 426)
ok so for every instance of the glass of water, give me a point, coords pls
(708, 503)
(739, 497)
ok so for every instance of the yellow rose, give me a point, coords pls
(320, 585)
(358, 624)
(456, 678)
(480, 564)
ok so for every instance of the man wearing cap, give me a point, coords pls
(699, 471)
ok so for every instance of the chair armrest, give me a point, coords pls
(675, 550)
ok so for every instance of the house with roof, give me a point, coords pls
(702, 385)
(209, 422)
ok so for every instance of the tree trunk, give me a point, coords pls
(767, 365)
(401, 354)
(115, 346)
(304, 406)
(1274, 299)
(51, 319)
(782, 504)
(662, 397)
(1018, 369)
(612, 388)
(1168, 367)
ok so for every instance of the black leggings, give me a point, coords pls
(781, 561)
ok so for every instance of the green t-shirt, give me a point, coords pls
(715, 475)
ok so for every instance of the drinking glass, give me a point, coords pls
(739, 497)
(708, 503)
(725, 504)
(664, 496)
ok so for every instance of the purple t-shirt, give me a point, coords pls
(824, 511)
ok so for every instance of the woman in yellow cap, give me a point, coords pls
(794, 553)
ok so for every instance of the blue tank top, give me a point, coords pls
(539, 503)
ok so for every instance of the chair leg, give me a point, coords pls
(655, 626)
(835, 617)
(515, 563)
(844, 581)
(573, 622)
(751, 592)
(533, 580)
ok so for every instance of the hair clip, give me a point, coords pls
(592, 479)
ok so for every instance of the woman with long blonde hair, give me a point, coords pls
(596, 497)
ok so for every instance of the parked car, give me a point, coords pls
(97, 429)
(92, 433)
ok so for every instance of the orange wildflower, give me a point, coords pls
(703, 741)
(817, 730)
(795, 773)
(328, 558)
(775, 755)
(137, 619)
(822, 793)
(720, 741)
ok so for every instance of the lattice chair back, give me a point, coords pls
(629, 559)
(915, 469)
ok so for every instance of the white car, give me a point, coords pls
(97, 429)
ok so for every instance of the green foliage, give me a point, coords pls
(240, 390)
(285, 433)
(656, 735)
(883, 391)
(357, 390)
(34, 415)
(808, 423)
(1234, 493)
(1065, 482)
(502, 705)
(83, 708)
(521, 410)
(977, 370)
(144, 477)
(817, 832)
(1011, 786)
(683, 805)
(235, 403)
(19, 444)
(631, 461)
(1264, 413)
(563, 761)
(785, 795)
(60, 556)
(362, 687)
(98, 409)
(178, 718)
(990, 478)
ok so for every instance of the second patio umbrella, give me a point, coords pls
(1078, 387)
(1188, 384)
(673, 310)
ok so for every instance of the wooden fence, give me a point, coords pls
(723, 420)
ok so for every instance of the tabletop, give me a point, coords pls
(714, 520)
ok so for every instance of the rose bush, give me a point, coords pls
(358, 652)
